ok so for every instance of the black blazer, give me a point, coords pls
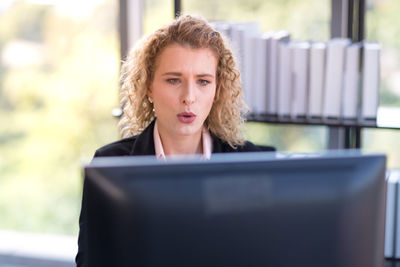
(140, 145)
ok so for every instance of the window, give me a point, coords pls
(156, 14)
(305, 19)
(58, 82)
(382, 26)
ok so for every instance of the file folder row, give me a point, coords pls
(334, 80)
(392, 223)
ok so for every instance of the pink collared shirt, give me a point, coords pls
(205, 137)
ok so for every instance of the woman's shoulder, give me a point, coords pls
(137, 145)
(250, 147)
(121, 147)
(222, 147)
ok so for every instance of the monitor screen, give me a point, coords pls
(243, 209)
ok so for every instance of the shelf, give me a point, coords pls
(387, 118)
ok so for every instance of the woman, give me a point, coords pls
(181, 94)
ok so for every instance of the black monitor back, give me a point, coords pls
(236, 210)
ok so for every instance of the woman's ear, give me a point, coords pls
(149, 92)
(217, 91)
(150, 95)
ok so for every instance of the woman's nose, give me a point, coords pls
(189, 97)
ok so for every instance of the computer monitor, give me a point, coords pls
(243, 209)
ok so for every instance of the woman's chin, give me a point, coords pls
(188, 130)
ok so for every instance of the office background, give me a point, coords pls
(59, 68)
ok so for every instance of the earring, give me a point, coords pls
(151, 102)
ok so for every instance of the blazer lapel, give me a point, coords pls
(144, 143)
(219, 146)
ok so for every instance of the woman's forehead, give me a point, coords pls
(176, 57)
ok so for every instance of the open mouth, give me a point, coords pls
(186, 117)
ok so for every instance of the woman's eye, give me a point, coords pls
(173, 81)
(204, 82)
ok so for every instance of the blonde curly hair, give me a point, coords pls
(225, 120)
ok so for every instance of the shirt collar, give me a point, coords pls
(205, 137)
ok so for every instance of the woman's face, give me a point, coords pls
(183, 89)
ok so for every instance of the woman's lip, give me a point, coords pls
(186, 117)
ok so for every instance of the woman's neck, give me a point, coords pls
(181, 145)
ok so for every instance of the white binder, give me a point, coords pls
(284, 80)
(351, 82)
(300, 68)
(370, 81)
(260, 71)
(316, 79)
(334, 77)
(396, 221)
(273, 55)
(242, 34)
(391, 198)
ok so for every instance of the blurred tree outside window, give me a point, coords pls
(59, 64)
(382, 26)
(304, 19)
(156, 13)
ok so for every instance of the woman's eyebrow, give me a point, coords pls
(205, 75)
(180, 74)
(172, 73)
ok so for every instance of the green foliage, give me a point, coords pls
(383, 141)
(23, 20)
(54, 113)
(156, 14)
(389, 98)
(306, 19)
(287, 137)
(382, 26)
